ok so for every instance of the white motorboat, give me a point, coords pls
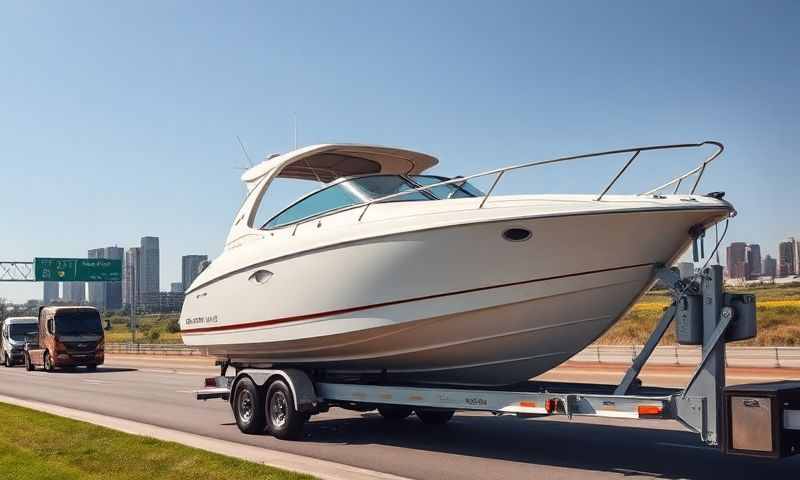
(418, 278)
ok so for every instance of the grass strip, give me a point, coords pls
(40, 446)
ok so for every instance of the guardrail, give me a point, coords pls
(762, 357)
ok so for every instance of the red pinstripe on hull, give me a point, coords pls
(330, 313)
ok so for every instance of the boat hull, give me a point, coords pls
(457, 304)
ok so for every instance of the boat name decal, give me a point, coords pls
(202, 320)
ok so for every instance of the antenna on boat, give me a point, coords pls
(244, 150)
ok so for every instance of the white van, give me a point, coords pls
(15, 331)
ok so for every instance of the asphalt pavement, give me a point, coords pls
(158, 391)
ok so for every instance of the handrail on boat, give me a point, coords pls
(699, 170)
(499, 172)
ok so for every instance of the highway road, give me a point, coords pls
(158, 391)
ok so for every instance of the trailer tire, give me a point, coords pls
(29, 366)
(435, 417)
(248, 407)
(394, 413)
(283, 419)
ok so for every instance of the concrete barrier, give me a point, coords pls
(762, 357)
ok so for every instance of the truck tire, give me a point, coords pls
(248, 407)
(6, 360)
(283, 420)
(29, 366)
(435, 417)
(394, 413)
(48, 362)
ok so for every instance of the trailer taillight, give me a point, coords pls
(650, 410)
(211, 382)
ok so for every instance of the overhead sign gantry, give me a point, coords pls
(62, 270)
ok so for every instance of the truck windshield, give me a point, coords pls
(78, 322)
(18, 331)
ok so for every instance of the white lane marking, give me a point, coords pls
(681, 445)
(171, 372)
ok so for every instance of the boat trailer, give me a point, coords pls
(760, 420)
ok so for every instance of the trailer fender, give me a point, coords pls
(303, 393)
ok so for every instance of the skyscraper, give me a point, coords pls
(770, 267)
(190, 265)
(753, 260)
(74, 292)
(106, 295)
(796, 257)
(130, 275)
(50, 292)
(787, 253)
(736, 257)
(149, 265)
(176, 287)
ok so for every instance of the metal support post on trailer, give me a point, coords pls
(700, 405)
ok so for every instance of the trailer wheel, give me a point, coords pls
(48, 362)
(29, 366)
(394, 413)
(248, 407)
(435, 417)
(283, 419)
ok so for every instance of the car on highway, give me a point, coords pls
(67, 337)
(13, 333)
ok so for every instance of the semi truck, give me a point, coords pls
(67, 337)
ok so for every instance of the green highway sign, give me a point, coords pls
(77, 270)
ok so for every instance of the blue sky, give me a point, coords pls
(118, 121)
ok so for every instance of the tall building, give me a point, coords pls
(770, 267)
(753, 260)
(106, 295)
(50, 292)
(190, 268)
(787, 253)
(736, 258)
(149, 265)
(796, 257)
(74, 292)
(130, 275)
(176, 287)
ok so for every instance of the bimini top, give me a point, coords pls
(325, 163)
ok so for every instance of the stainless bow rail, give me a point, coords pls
(635, 151)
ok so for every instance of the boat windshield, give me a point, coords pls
(356, 191)
(350, 192)
(451, 190)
